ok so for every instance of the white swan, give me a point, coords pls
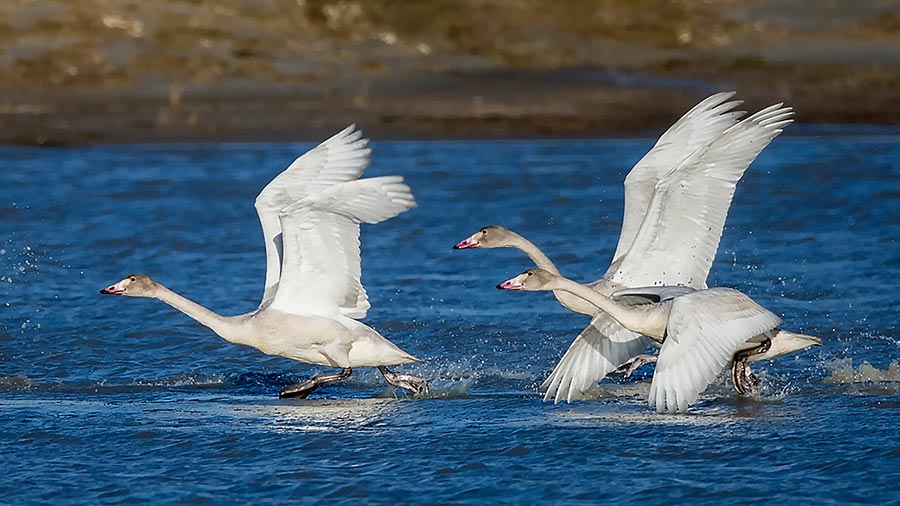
(700, 330)
(676, 201)
(310, 216)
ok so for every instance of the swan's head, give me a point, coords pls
(492, 236)
(135, 285)
(531, 280)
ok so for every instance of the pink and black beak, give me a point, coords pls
(512, 284)
(116, 289)
(468, 242)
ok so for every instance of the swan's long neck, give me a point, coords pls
(218, 323)
(534, 253)
(649, 319)
(567, 299)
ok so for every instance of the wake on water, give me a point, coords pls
(457, 380)
(843, 371)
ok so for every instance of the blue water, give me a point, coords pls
(114, 400)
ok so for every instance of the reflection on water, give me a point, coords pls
(314, 415)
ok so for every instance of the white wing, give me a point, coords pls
(321, 267)
(341, 158)
(599, 350)
(686, 216)
(678, 239)
(604, 345)
(706, 121)
(705, 329)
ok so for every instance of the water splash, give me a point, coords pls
(842, 372)
(15, 383)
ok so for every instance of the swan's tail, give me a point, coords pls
(785, 342)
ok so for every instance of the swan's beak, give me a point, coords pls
(468, 242)
(511, 284)
(116, 289)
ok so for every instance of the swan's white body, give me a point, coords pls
(334, 341)
(699, 330)
(310, 216)
(676, 201)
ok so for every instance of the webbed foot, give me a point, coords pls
(302, 390)
(418, 386)
(635, 363)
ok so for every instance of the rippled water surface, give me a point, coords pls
(117, 400)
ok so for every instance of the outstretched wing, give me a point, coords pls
(604, 345)
(321, 266)
(684, 219)
(679, 236)
(705, 329)
(697, 128)
(341, 158)
(599, 350)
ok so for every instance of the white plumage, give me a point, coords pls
(321, 245)
(341, 158)
(679, 235)
(599, 349)
(696, 129)
(704, 330)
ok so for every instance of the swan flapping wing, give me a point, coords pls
(599, 350)
(321, 267)
(679, 236)
(704, 331)
(341, 158)
(696, 140)
(697, 128)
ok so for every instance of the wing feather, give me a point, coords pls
(678, 238)
(697, 128)
(599, 350)
(341, 158)
(705, 329)
(321, 267)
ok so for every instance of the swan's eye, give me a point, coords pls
(133, 278)
(484, 231)
(530, 273)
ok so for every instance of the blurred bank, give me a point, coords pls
(101, 71)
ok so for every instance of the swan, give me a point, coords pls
(676, 201)
(700, 331)
(310, 216)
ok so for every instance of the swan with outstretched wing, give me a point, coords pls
(311, 215)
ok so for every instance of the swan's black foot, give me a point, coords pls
(743, 379)
(633, 364)
(418, 386)
(302, 390)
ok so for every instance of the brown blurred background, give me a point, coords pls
(97, 71)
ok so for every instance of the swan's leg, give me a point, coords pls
(744, 380)
(302, 390)
(415, 384)
(633, 364)
(738, 375)
(751, 379)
